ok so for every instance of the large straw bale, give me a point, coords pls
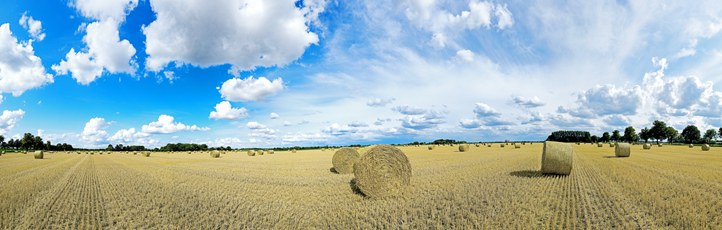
(463, 148)
(270, 151)
(384, 170)
(557, 158)
(260, 152)
(691, 146)
(344, 159)
(293, 150)
(502, 145)
(659, 145)
(215, 154)
(622, 150)
(146, 154)
(251, 153)
(705, 147)
(431, 147)
(647, 146)
(39, 154)
(517, 146)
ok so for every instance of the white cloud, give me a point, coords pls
(20, 69)
(274, 116)
(684, 53)
(244, 34)
(428, 120)
(617, 120)
(105, 51)
(336, 130)
(9, 119)
(463, 56)
(304, 121)
(94, 131)
(484, 110)
(170, 76)
(35, 28)
(286, 123)
(166, 125)
(255, 125)
(606, 99)
(527, 102)
(380, 121)
(470, 123)
(260, 130)
(408, 110)
(358, 124)
(106, 9)
(505, 18)
(174, 137)
(305, 137)
(250, 89)
(1, 99)
(563, 121)
(378, 102)
(226, 112)
(535, 116)
(130, 136)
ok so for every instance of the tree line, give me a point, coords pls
(659, 132)
(30, 141)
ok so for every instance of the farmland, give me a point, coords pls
(485, 187)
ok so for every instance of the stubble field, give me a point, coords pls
(671, 187)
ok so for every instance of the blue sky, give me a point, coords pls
(286, 73)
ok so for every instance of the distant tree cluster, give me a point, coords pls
(570, 136)
(120, 147)
(30, 141)
(170, 147)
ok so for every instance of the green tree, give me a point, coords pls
(615, 135)
(595, 138)
(2, 142)
(671, 134)
(28, 141)
(710, 134)
(644, 134)
(629, 134)
(658, 130)
(38, 143)
(605, 137)
(690, 134)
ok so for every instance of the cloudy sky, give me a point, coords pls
(254, 73)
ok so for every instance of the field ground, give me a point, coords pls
(671, 187)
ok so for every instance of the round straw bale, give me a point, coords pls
(431, 147)
(293, 150)
(517, 146)
(384, 170)
(215, 154)
(647, 146)
(502, 145)
(488, 145)
(260, 152)
(251, 153)
(323, 149)
(344, 159)
(270, 152)
(622, 150)
(557, 158)
(39, 154)
(659, 145)
(146, 154)
(463, 148)
(366, 149)
(705, 147)
(611, 145)
(691, 146)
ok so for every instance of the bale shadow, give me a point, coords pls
(333, 170)
(610, 156)
(355, 188)
(532, 174)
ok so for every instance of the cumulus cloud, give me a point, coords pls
(378, 102)
(563, 121)
(425, 14)
(20, 69)
(484, 110)
(286, 123)
(470, 123)
(259, 130)
(408, 110)
(380, 121)
(166, 125)
(244, 34)
(617, 120)
(107, 9)
(534, 117)
(226, 112)
(430, 119)
(304, 121)
(274, 116)
(131, 136)
(305, 137)
(463, 56)
(527, 102)
(608, 99)
(105, 52)
(9, 119)
(250, 89)
(358, 124)
(34, 27)
(94, 131)
(336, 130)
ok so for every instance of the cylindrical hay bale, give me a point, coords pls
(344, 159)
(251, 153)
(323, 149)
(502, 145)
(705, 147)
(215, 154)
(611, 145)
(384, 170)
(599, 145)
(463, 148)
(647, 146)
(659, 145)
(488, 146)
(39, 154)
(691, 146)
(557, 158)
(135, 153)
(622, 150)
(293, 150)
(270, 152)
(517, 146)
(431, 147)
(477, 145)
(260, 152)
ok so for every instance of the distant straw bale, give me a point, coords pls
(705, 147)
(344, 159)
(39, 154)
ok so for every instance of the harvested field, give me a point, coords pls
(674, 187)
